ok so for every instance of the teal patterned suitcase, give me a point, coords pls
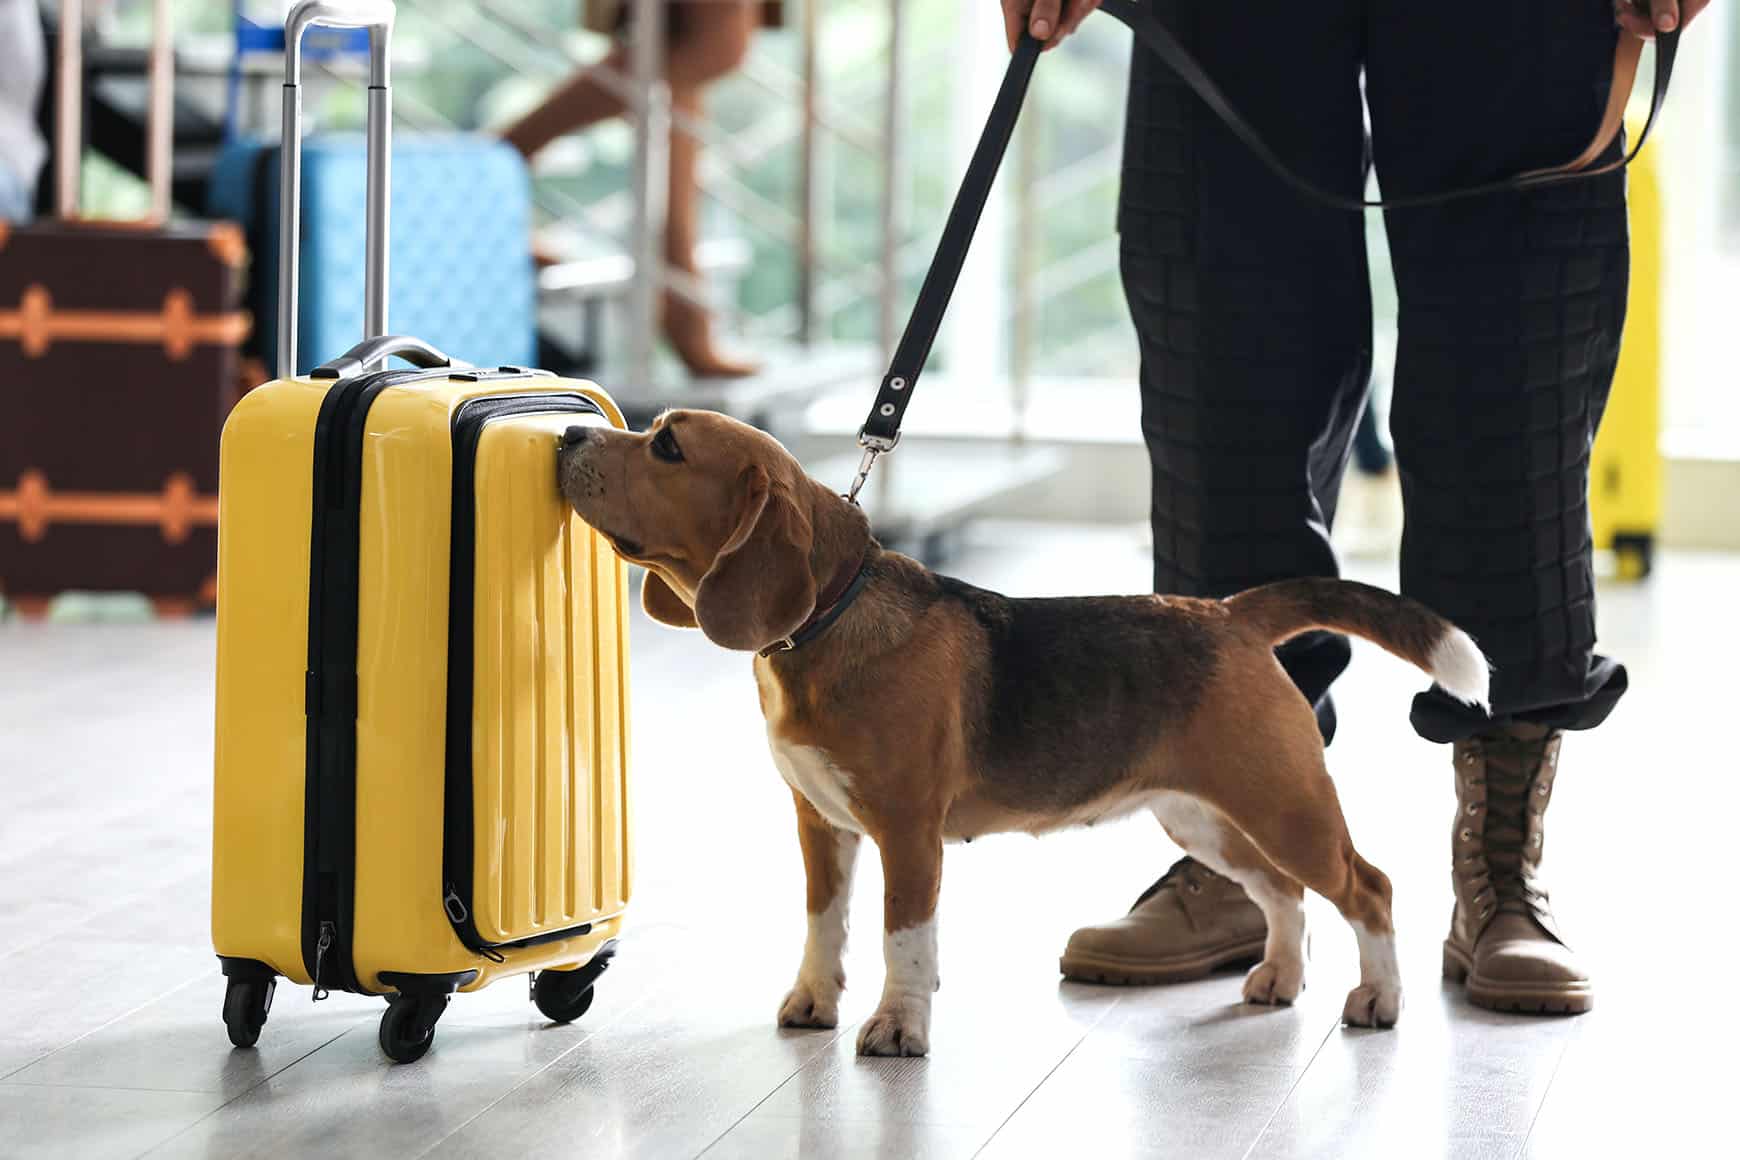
(461, 270)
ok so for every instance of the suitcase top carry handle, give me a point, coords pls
(376, 16)
(69, 110)
(372, 350)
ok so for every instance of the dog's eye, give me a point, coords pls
(664, 446)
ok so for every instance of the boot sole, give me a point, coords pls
(1120, 972)
(1518, 998)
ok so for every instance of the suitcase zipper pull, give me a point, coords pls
(457, 914)
(327, 930)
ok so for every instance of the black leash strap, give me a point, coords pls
(881, 430)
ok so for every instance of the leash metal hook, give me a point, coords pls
(874, 447)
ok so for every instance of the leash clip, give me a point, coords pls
(874, 446)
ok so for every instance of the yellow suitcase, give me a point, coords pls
(1625, 465)
(422, 721)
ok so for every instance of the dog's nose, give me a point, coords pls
(573, 436)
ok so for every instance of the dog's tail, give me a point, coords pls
(1396, 624)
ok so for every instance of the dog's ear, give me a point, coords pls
(663, 604)
(759, 588)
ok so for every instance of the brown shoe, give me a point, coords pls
(1188, 924)
(1503, 942)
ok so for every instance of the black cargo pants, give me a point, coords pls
(1253, 312)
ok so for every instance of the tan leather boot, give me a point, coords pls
(1503, 942)
(1188, 924)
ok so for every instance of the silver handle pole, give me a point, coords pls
(377, 16)
(289, 228)
(380, 183)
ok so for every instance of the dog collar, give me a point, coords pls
(838, 597)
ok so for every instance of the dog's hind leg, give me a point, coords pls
(1206, 835)
(1269, 780)
(1308, 841)
(830, 855)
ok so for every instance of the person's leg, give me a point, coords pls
(579, 102)
(712, 38)
(706, 40)
(1251, 306)
(688, 325)
(1510, 315)
(1253, 314)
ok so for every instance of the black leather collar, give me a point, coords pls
(827, 611)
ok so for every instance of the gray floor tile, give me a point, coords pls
(770, 1137)
(87, 1123)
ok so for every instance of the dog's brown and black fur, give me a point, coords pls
(932, 710)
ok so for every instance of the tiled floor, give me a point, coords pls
(111, 1046)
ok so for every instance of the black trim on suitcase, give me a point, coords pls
(329, 859)
(458, 852)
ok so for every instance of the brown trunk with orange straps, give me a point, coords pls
(118, 365)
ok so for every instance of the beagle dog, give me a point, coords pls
(917, 709)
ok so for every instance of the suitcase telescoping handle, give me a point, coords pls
(377, 17)
(69, 109)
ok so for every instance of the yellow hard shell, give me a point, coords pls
(265, 504)
(550, 792)
(1625, 467)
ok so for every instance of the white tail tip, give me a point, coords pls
(1458, 665)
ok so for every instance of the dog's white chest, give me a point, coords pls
(804, 767)
(809, 771)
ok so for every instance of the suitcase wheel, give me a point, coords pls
(246, 1002)
(408, 1027)
(1635, 553)
(564, 996)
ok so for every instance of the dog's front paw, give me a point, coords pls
(809, 1005)
(1373, 1005)
(1272, 983)
(899, 1027)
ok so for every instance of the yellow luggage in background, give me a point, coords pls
(421, 750)
(1625, 467)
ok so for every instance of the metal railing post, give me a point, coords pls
(893, 178)
(893, 208)
(652, 136)
(809, 177)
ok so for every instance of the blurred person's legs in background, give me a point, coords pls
(1253, 315)
(16, 198)
(1368, 521)
(706, 40)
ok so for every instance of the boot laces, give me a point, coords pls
(1518, 772)
(1185, 879)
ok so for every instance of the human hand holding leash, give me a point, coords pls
(1641, 18)
(1050, 21)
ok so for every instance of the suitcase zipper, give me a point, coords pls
(320, 948)
(458, 853)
